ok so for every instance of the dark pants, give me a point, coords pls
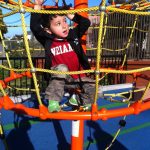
(56, 87)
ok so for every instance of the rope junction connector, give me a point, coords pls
(97, 72)
(22, 10)
(122, 123)
(33, 70)
(102, 8)
(6, 50)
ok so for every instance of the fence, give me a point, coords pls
(121, 32)
(27, 83)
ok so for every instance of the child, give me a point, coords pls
(63, 52)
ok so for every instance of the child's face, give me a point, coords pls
(59, 26)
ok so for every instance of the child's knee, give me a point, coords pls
(60, 67)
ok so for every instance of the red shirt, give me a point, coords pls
(64, 54)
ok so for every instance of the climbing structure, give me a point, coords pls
(105, 14)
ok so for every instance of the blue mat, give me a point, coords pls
(28, 133)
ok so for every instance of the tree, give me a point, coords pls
(2, 25)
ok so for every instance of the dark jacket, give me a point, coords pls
(73, 38)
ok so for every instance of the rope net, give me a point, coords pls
(120, 30)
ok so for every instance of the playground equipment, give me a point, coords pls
(95, 114)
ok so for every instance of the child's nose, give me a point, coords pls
(64, 25)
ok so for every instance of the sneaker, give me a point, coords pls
(53, 106)
(87, 107)
(73, 101)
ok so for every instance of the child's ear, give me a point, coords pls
(47, 30)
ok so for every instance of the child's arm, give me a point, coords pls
(70, 16)
(83, 24)
(38, 4)
(35, 23)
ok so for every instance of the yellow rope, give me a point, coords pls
(131, 35)
(145, 91)
(4, 47)
(2, 90)
(9, 14)
(21, 89)
(28, 52)
(99, 51)
(127, 11)
(79, 72)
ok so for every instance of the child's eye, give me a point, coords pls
(58, 24)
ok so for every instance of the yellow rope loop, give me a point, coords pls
(9, 14)
(28, 51)
(8, 6)
(117, 50)
(68, 73)
(105, 28)
(144, 7)
(124, 60)
(21, 89)
(14, 69)
(11, 7)
(125, 71)
(132, 31)
(79, 72)
(62, 11)
(99, 50)
(145, 91)
(2, 39)
(2, 90)
(127, 11)
(4, 47)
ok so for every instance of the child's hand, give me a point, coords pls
(39, 2)
(70, 16)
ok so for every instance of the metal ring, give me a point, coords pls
(97, 72)
(22, 10)
(102, 8)
(33, 70)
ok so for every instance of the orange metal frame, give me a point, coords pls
(95, 114)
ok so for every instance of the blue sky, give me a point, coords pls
(15, 19)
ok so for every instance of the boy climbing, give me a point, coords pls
(63, 52)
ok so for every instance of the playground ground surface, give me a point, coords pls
(28, 133)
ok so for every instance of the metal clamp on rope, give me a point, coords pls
(6, 50)
(97, 72)
(22, 10)
(33, 70)
(102, 8)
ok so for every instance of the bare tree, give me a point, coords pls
(2, 25)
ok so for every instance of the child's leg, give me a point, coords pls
(89, 90)
(54, 93)
(55, 90)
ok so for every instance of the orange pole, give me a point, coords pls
(78, 125)
(77, 135)
(78, 4)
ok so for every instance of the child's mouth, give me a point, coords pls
(65, 32)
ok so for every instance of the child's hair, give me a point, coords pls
(46, 18)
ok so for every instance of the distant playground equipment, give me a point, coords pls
(138, 10)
